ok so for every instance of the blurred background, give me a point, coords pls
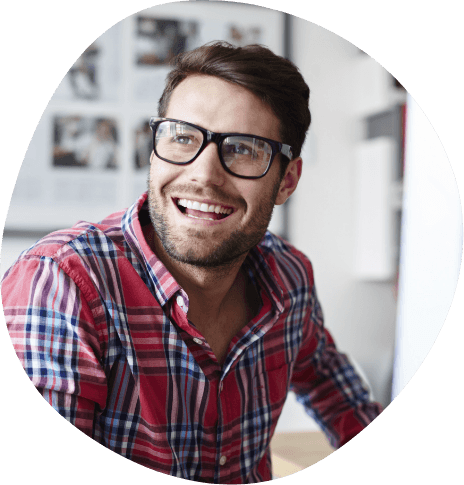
(377, 209)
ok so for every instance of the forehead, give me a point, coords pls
(222, 106)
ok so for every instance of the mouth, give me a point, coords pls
(206, 211)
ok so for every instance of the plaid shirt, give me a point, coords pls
(101, 329)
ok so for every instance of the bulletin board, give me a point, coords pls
(89, 154)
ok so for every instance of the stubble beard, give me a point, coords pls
(225, 253)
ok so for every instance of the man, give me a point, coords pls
(172, 332)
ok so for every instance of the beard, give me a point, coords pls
(184, 247)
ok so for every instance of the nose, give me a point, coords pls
(207, 168)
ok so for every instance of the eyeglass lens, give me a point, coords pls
(242, 154)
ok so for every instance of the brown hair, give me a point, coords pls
(274, 79)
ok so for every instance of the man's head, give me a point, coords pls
(203, 214)
(273, 79)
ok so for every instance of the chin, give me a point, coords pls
(223, 254)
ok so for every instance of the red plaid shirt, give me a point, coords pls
(101, 329)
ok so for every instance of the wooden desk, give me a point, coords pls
(292, 452)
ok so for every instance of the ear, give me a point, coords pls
(290, 180)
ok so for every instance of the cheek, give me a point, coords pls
(247, 190)
(260, 192)
(162, 173)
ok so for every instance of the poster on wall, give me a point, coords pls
(90, 153)
(86, 142)
(96, 74)
(156, 42)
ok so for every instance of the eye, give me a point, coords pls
(182, 139)
(241, 149)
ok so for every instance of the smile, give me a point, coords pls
(203, 210)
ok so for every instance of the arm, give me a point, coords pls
(327, 384)
(52, 330)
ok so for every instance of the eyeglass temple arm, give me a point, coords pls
(287, 151)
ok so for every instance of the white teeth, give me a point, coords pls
(202, 218)
(203, 207)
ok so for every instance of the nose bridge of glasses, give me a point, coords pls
(209, 169)
(209, 136)
(213, 137)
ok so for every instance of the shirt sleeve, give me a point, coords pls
(53, 333)
(327, 384)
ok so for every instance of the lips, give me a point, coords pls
(203, 210)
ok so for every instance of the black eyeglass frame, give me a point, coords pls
(218, 138)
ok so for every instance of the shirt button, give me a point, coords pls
(222, 460)
(180, 301)
(198, 341)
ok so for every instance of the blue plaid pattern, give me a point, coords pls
(96, 321)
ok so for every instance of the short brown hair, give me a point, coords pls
(274, 79)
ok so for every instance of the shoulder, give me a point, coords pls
(69, 249)
(82, 234)
(286, 261)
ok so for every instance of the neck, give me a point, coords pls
(209, 288)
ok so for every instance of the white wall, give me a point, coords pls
(431, 246)
(10, 249)
(360, 315)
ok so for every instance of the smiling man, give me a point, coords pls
(173, 331)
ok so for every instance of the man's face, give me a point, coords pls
(187, 234)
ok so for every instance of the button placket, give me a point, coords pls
(225, 452)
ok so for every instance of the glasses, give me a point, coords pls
(245, 156)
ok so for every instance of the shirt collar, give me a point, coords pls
(261, 270)
(163, 284)
(258, 264)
